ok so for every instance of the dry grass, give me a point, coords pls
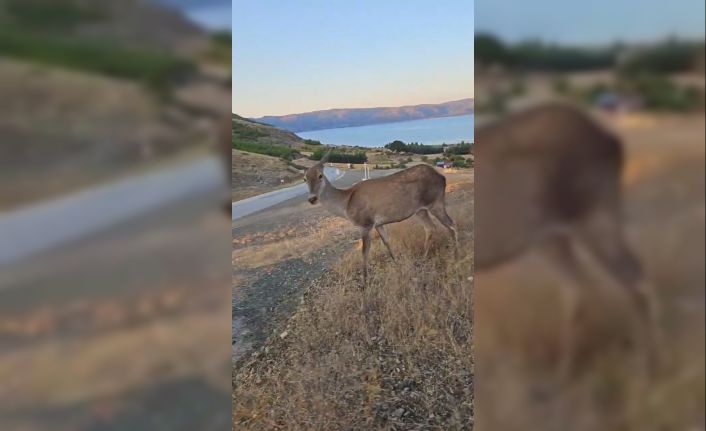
(397, 355)
(286, 245)
(254, 174)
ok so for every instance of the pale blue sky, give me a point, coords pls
(591, 22)
(298, 56)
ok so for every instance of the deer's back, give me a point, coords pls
(395, 197)
(539, 170)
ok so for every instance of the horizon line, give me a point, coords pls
(351, 109)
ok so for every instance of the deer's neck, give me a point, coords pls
(333, 199)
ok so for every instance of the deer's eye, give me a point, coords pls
(321, 176)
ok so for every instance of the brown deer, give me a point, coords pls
(372, 204)
(549, 177)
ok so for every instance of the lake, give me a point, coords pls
(430, 131)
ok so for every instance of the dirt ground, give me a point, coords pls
(111, 333)
(254, 174)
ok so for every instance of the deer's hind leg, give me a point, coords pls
(603, 235)
(561, 251)
(438, 209)
(385, 239)
(424, 217)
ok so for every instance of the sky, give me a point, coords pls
(301, 56)
(590, 22)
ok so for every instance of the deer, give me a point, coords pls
(549, 178)
(418, 191)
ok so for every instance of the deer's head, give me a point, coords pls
(314, 178)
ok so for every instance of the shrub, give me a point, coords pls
(311, 142)
(460, 162)
(462, 148)
(517, 88)
(661, 94)
(414, 148)
(266, 149)
(340, 157)
(668, 57)
(561, 85)
(157, 70)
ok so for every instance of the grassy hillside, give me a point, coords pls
(260, 138)
(92, 89)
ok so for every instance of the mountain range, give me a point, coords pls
(336, 118)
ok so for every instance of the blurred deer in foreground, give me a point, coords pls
(417, 191)
(549, 177)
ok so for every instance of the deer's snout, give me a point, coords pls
(313, 199)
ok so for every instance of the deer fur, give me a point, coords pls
(550, 178)
(417, 191)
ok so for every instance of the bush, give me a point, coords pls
(561, 85)
(460, 162)
(340, 157)
(518, 88)
(157, 70)
(311, 142)
(268, 150)
(425, 158)
(659, 93)
(497, 104)
(462, 148)
(414, 148)
(670, 56)
(220, 49)
(51, 15)
(535, 55)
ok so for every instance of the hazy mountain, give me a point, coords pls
(335, 118)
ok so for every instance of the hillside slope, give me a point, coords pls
(254, 132)
(254, 174)
(334, 118)
(95, 89)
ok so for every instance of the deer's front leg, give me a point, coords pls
(366, 250)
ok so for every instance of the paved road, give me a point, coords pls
(50, 224)
(339, 177)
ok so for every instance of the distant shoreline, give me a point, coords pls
(358, 117)
(386, 122)
(450, 129)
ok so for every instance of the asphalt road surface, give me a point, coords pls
(50, 224)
